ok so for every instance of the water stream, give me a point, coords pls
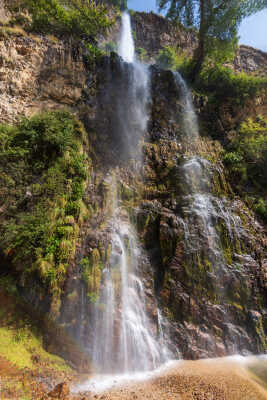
(133, 100)
(200, 207)
(126, 341)
(124, 337)
(190, 120)
(126, 44)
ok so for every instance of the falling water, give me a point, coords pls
(125, 339)
(124, 336)
(190, 120)
(203, 213)
(126, 44)
(132, 102)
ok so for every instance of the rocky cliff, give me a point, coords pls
(207, 265)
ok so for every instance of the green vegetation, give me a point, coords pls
(79, 19)
(111, 47)
(19, 345)
(92, 267)
(21, 342)
(216, 22)
(119, 3)
(142, 54)
(43, 171)
(261, 208)
(246, 158)
(172, 58)
(7, 31)
(221, 83)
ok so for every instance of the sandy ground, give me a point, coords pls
(220, 379)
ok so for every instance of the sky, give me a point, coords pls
(253, 30)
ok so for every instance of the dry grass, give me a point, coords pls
(7, 31)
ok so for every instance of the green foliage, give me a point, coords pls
(246, 158)
(93, 297)
(221, 83)
(91, 269)
(122, 4)
(172, 58)
(216, 22)
(220, 51)
(81, 19)
(110, 47)
(9, 285)
(142, 54)
(19, 341)
(261, 208)
(42, 175)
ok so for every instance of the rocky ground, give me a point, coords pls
(218, 379)
(195, 380)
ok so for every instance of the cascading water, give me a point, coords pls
(131, 117)
(190, 121)
(126, 44)
(199, 204)
(205, 215)
(124, 338)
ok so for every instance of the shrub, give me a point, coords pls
(221, 82)
(171, 58)
(110, 47)
(81, 19)
(142, 53)
(261, 208)
(43, 171)
(246, 158)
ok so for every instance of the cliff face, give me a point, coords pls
(38, 74)
(206, 266)
(154, 32)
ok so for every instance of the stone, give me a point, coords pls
(60, 392)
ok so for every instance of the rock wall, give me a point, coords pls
(38, 73)
(251, 60)
(209, 283)
(41, 73)
(154, 32)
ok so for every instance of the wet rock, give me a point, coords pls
(60, 392)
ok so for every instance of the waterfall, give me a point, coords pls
(132, 101)
(202, 212)
(126, 43)
(125, 339)
(190, 120)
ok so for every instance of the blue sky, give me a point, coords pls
(253, 30)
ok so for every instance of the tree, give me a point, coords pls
(119, 3)
(216, 21)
